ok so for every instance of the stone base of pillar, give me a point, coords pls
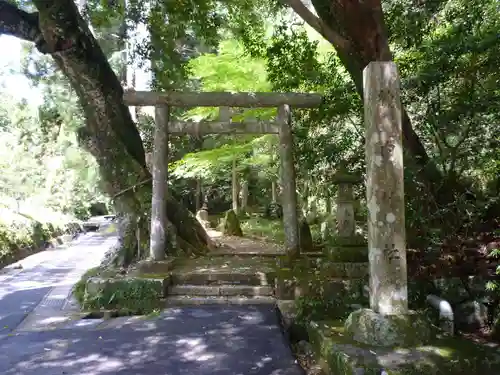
(348, 249)
(370, 328)
(351, 241)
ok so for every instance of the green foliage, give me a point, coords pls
(494, 285)
(23, 231)
(445, 51)
(40, 155)
(127, 296)
(132, 296)
(321, 295)
(318, 308)
(231, 69)
(270, 230)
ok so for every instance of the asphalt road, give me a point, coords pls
(23, 290)
(204, 340)
(208, 340)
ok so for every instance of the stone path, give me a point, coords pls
(241, 245)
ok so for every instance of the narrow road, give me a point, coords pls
(45, 280)
(204, 340)
(197, 340)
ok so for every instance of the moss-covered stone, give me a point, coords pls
(149, 269)
(346, 292)
(341, 355)
(133, 295)
(348, 254)
(367, 326)
(231, 224)
(305, 237)
(351, 270)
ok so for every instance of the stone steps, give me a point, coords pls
(220, 278)
(173, 301)
(231, 280)
(222, 290)
(243, 254)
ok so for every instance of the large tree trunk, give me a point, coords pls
(110, 134)
(357, 30)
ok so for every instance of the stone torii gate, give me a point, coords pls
(163, 102)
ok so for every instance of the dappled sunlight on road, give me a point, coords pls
(190, 340)
(57, 270)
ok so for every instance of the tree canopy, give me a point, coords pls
(446, 52)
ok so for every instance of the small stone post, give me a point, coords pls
(159, 223)
(235, 187)
(289, 193)
(388, 322)
(346, 224)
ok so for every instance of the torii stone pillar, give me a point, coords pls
(388, 322)
(159, 222)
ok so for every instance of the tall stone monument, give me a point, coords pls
(388, 322)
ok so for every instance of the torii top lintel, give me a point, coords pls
(218, 99)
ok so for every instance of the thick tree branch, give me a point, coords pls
(24, 25)
(364, 39)
(90, 74)
(110, 132)
(317, 24)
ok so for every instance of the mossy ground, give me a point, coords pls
(443, 355)
(222, 264)
(258, 227)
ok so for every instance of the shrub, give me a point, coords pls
(22, 231)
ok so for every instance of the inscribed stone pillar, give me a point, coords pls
(346, 224)
(289, 191)
(159, 222)
(385, 189)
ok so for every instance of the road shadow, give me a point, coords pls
(26, 291)
(220, 340)
(22, 290)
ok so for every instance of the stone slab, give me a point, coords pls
(219, 300)
(217, 278)
(348, 270)
(222, 290)
(371, 328)
(288, 313)
(340, 355)
(153, 269)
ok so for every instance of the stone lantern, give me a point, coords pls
(346, 236)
